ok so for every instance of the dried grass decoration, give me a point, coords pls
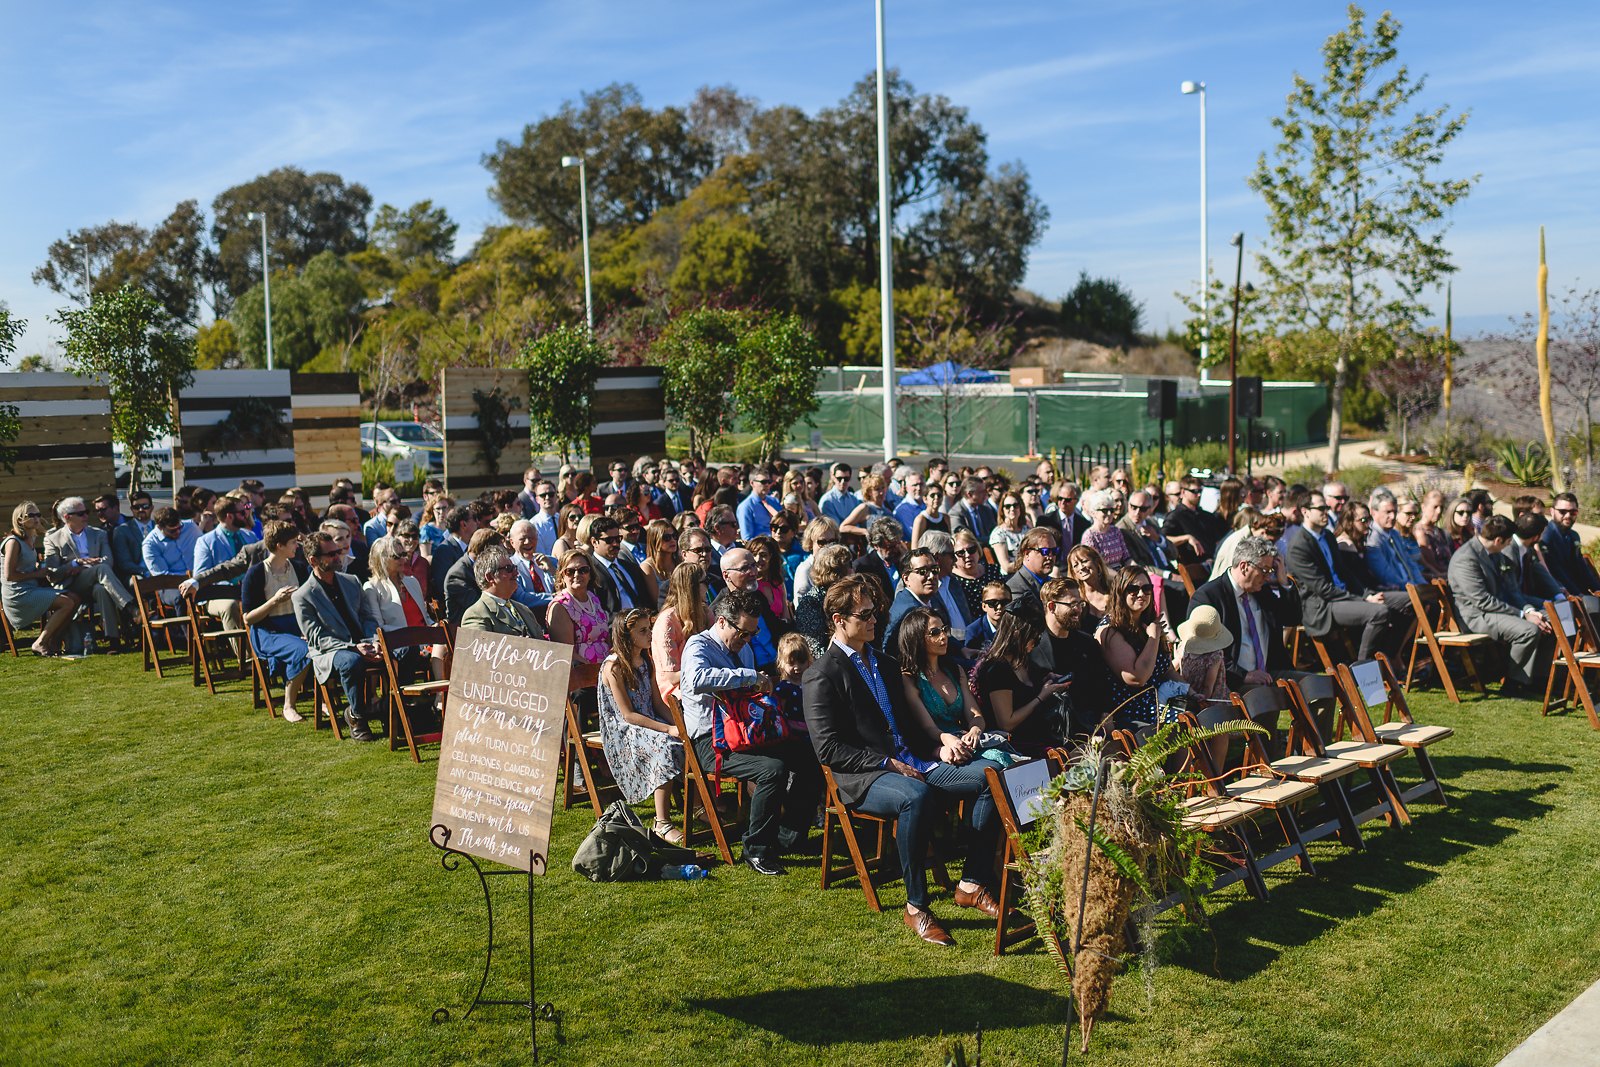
(1142, 854)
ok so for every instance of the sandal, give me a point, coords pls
(667, 832)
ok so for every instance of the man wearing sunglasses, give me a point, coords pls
(1325, 601)
(1255, 606)
(838, 502)
(1563, 549)
(1036, 557)
(338, 627)
(618, 580)
(756, 510)
(545, 518)
(717, 661)
(126, 533)
(919, 589)
(78, 556)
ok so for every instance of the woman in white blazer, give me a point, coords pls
(398, 601)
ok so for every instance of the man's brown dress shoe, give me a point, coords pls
(927, 927)
(979, 898)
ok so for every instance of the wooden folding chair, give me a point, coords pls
(698, 788)
(1364, 686)
(1005, 786)
(11, 637)
(326, 705)
(1439, 631)
(205, 632)
(1194, 575)
(1316, 697)
(1576, 651)
(1277, 754)
(261, 678)
(583, 751)
(155, 622)
(390, 642)
(1219, 817)
(834, 812)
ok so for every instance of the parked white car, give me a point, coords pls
(155, 464)
(404, 440)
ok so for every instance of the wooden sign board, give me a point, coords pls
(502, 741)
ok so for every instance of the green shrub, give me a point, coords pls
(1310, 475)
(375, 469)
(1361, 481)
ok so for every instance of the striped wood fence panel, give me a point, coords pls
(630, 416)
(327, 431)
(465, 472)
(64, 447)
(205, 404)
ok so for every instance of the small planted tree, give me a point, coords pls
(1412, 382)
(776, 383)
(699, 356)
(123, 341)
(10, 423)
(561, 366)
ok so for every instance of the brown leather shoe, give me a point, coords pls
(927, 927)
(979, 898)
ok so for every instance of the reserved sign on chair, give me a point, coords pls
(502, 740)
(1025, 784)
(1369, 679)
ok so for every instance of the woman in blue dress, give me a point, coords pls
(264, 594)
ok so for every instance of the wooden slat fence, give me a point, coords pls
(327, 431)
(630, 417)
(219, 464)
(466, 474)
(64, 447)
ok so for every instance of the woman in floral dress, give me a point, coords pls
(642, 748)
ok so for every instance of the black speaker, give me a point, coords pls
(1248, 397)
(1161, 399)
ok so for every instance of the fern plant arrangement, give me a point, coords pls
(1111, 846)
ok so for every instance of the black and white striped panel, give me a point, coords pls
(206, 403)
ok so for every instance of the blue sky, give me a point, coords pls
(122, 110)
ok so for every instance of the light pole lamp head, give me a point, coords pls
(1237, 240)
(1190, 88)
(572, 161)
(253, 216)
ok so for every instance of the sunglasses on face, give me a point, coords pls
(546, 494)
(861, 616)
(1338, 497)
(926, 572)
(996, 603)
(1462, 511)
(614, 539)
(576, 571)
(31, 515)
(509, 568)
(824, 542)
(142, 505)
(966, 551)
(79, 514)
(936, 631)
(1138, 590)
(1566, 511)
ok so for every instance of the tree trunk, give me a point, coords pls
(1341, 370)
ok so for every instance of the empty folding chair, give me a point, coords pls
(1319, 726)
(1371, 685)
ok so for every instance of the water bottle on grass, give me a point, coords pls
(684, 872)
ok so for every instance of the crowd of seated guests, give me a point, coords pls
(934, 623)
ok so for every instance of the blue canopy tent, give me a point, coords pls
(948, 373)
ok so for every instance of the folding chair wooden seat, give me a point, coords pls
(834, 812)
(699, 789)
(1364, 686)
(1219, 817)
(1193, 575)
(206, 633)
(582, 753)
(1577, 651)
(1276, 755)
(155, 624)
(1316, 698)
(390, 642)
(1439, 631)
(1241, 781)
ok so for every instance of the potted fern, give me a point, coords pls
(1112, 846)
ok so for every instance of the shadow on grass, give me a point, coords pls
(891, 1011)
(1248, 935)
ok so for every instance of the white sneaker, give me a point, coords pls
(290, 715)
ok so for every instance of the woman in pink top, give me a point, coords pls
(684, 615)
(577, 619)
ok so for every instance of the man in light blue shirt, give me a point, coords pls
(545, 518)
(911, 504)
(717, 662)
(756, 510)
(1386, 557)
(837, 503)
(378, 526)
(169, 547)
(223, 543)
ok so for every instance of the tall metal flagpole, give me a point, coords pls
(885, 254)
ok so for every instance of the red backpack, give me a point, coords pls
(745, 720)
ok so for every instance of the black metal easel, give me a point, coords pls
(450, 860)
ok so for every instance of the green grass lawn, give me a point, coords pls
(186, 881)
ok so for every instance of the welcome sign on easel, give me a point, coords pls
(495, 791)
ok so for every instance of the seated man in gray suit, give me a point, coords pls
(495, 611)
(78, 557)
(338, 627)
(1489, 601)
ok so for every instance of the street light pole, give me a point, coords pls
(885, 254)
(1189, 89)
(583, 214)
(1233, 358)
(266, 280)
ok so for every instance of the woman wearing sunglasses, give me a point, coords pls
(1103, 535)
(577, 619)
(25, 590)
(1135, 647)
(1006, 537)
(971, 570)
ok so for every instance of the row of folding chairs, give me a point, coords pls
(176, 629)
(1577, 651)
